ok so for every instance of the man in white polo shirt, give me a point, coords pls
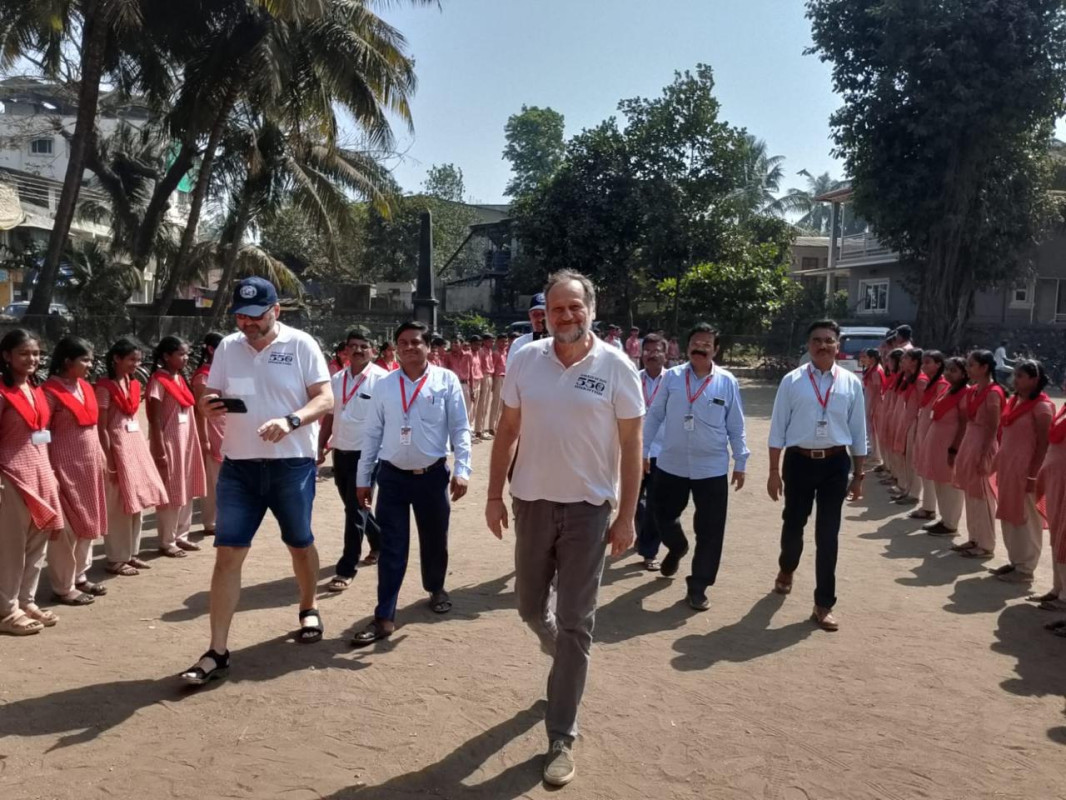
(341, 431)
(576, 401)
(280, 376)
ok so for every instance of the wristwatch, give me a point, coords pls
(293, 420)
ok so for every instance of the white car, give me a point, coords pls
(853, 341)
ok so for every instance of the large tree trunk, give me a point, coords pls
(93, 42)
(229, 264)
(157, 206)
(203, 181)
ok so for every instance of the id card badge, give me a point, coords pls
(183, 417)
(405, 435)
(821, 430)
(690, 422)
(132, 426)
(41, 437)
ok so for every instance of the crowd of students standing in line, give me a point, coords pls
(951, 439)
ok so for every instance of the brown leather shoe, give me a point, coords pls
(825, 620)
(783, 582)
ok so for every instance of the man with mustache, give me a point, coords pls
(537, 314)
(819, 414)
(577, 403)
(698, 412)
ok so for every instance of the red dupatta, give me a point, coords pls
(978, 398)
(948, 402)
(932, 391)
(85, 411)
(128, 405)
(176, 387)
(1015, 410)
(36, 418)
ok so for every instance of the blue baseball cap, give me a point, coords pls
(253, 297)
(538, 303)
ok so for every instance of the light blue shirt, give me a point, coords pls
(650, 387)
(797, 412)
(718, 425)
(436, 415)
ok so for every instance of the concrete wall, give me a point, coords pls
(469, 297)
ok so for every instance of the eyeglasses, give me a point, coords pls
(250, 318)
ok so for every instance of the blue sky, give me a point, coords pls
(478, 61)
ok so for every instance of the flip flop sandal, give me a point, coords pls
(309, 634)
(198, 676)
(80, 599)
(139, 563)
(42, 615)
(338, 584)
(440, 603)
(20, 625)
(126, 570)
(374, 632)
(184, 545)
(95, 589)
(208, 532)
(977, 552)
(1006, 569)
(174, 552)
(921, 513)
(371, 559)
(959, 548)
(1058, 624)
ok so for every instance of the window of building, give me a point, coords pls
(41, 147)
(809, 262)
(873, 297)
(1021, 296)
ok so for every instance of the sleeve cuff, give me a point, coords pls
(740, 464)
(462, 472)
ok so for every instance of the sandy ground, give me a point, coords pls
(941, 683)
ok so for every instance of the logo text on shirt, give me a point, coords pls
(281, 358)
(591, 383)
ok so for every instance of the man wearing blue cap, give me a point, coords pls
(537, 315)
(280, 377)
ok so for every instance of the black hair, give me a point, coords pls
(212, 340)
(986, 359)
(938, 357)
(413, 325)
(166, 346)
(474, 337)
(875, 354)
(340, 347)
(907, 380)
(894, 359)
(437, 341)
(829, 324)
(1034, 369)
(69, 348)
(358, 332)
(12, 339)
(702, 327)
(960, 363)
(121, 349)
(904, 332)
(654, 338)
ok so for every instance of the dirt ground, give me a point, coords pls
(941, 683)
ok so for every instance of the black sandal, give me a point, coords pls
(440, 603)
(198, 676)
(374, 632)
(95, 589)
(309, 634)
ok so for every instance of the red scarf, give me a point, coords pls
(868, 376)
(127, 405)
(203, 369)
(1057, 435)
(948, 402)
(911, 387)
(36, 418)
(176, 387)
(977, 399)
(85, 411)
(1016, 410)
(931, 391)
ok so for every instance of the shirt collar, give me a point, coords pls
(549, 351)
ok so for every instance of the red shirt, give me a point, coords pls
(486, 361)
(500, 362)
(462, 365)
(476, 372)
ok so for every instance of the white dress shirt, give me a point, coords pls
(436, 415)
(717, 424)
(650, 387)
(350, 414)
(798, 413)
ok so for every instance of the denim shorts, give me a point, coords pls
(247, 488)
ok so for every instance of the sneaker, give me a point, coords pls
(698, 602)
(559, 764)
(669, 565)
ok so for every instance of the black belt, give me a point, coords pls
(819, 455)
(438, 463)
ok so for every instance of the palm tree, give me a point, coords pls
(762, 176)
(814, 216)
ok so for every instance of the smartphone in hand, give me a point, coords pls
(233, 405)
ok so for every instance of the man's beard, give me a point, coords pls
(580, 332)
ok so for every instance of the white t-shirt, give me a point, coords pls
(348, 417)
(273, 383)
(569, 450)
(517, 345)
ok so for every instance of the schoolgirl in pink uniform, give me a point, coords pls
(210, 431)
(910, 390)
(936, 461)
(873, 385)
(933, 371)
(1051, 487)
(889, 400)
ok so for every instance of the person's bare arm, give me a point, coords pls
(1042, 420)
(154, 411)
(199, 389)
(774, 486)
(623, 530)
(319, 403)
(503, 449)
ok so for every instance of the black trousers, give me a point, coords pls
(711, 496)
(648, 538)
(808, 482)
(357, 521)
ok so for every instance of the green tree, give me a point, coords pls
(445, 182)
(535, 148)
(760, 180)
(948, 112)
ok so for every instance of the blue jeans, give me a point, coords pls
(247, 488)
(398, 493)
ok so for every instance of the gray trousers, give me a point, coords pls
(568, 539)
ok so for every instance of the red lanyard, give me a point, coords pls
(644, 387)
(346, 395)
(692, 398)
(403, 393)
(822, 401)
